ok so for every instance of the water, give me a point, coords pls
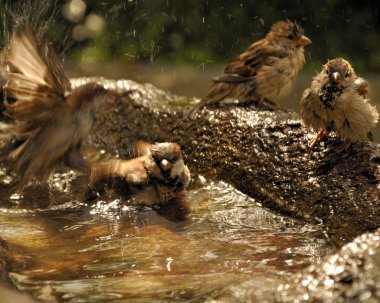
(222, 244)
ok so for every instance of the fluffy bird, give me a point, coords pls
(157, 176)
(50, 118)
(336, 101)
(262, 70)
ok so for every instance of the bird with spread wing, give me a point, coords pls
(50, 118)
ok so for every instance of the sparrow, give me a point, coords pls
(50, 119)
(337, 101)
(157, 176)
(262, 70)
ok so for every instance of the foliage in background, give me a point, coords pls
(201, 32)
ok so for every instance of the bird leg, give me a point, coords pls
(321, 134)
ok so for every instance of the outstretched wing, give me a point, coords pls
(34, 89)
(246, 66)
(34, 78)
(130, 172)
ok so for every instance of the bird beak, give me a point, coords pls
(337, 77)
(304, 41)
(166, 165)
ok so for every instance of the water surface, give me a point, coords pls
(218, 245)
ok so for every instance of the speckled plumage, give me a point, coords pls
(336, 101)
(263, 70)
(155, 177)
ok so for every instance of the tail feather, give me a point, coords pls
(218, 92)
(191, 114)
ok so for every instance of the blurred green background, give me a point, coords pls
(180, 45)
(203, 32)
(206, 32)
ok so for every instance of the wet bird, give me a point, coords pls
(51, 119)
(263, 70)
(157, 176)
(336, 101)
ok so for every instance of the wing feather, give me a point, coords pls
(34, 77)
(245, 67)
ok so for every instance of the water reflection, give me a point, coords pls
(110, 251)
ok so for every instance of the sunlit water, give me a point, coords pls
(109, 251)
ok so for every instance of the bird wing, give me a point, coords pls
(311, 111)
(34, 77)
(246, 66)
(132, 171)
(361, 87)
(141, 148)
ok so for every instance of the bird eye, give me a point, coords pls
(291, 36)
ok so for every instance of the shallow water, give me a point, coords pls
(213, 246)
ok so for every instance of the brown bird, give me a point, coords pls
(336, 101)
(50, 118)
(157, 176)
(262, 70)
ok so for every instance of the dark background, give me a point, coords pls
(205, 32)
(178, 45)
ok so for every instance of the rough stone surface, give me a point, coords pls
(351, 275)
(264, 154)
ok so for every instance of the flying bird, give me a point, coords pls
(263, 70)
(337, 101)
(51, 119)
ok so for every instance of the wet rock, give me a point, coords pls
(264, 154)
(351, 275)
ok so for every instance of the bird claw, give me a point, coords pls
(321, 134)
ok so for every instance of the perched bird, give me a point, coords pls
(336, 101)
(262, 70)
(50, 118)
(157, 176)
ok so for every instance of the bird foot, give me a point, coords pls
(321, 134)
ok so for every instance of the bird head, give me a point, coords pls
(166, 154)
(288, 33)
(339, 71)
(172, 169)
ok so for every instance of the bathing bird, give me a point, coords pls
(157, 176)
(337, 101)
(50, 118)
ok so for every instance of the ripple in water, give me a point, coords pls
(111, 251)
